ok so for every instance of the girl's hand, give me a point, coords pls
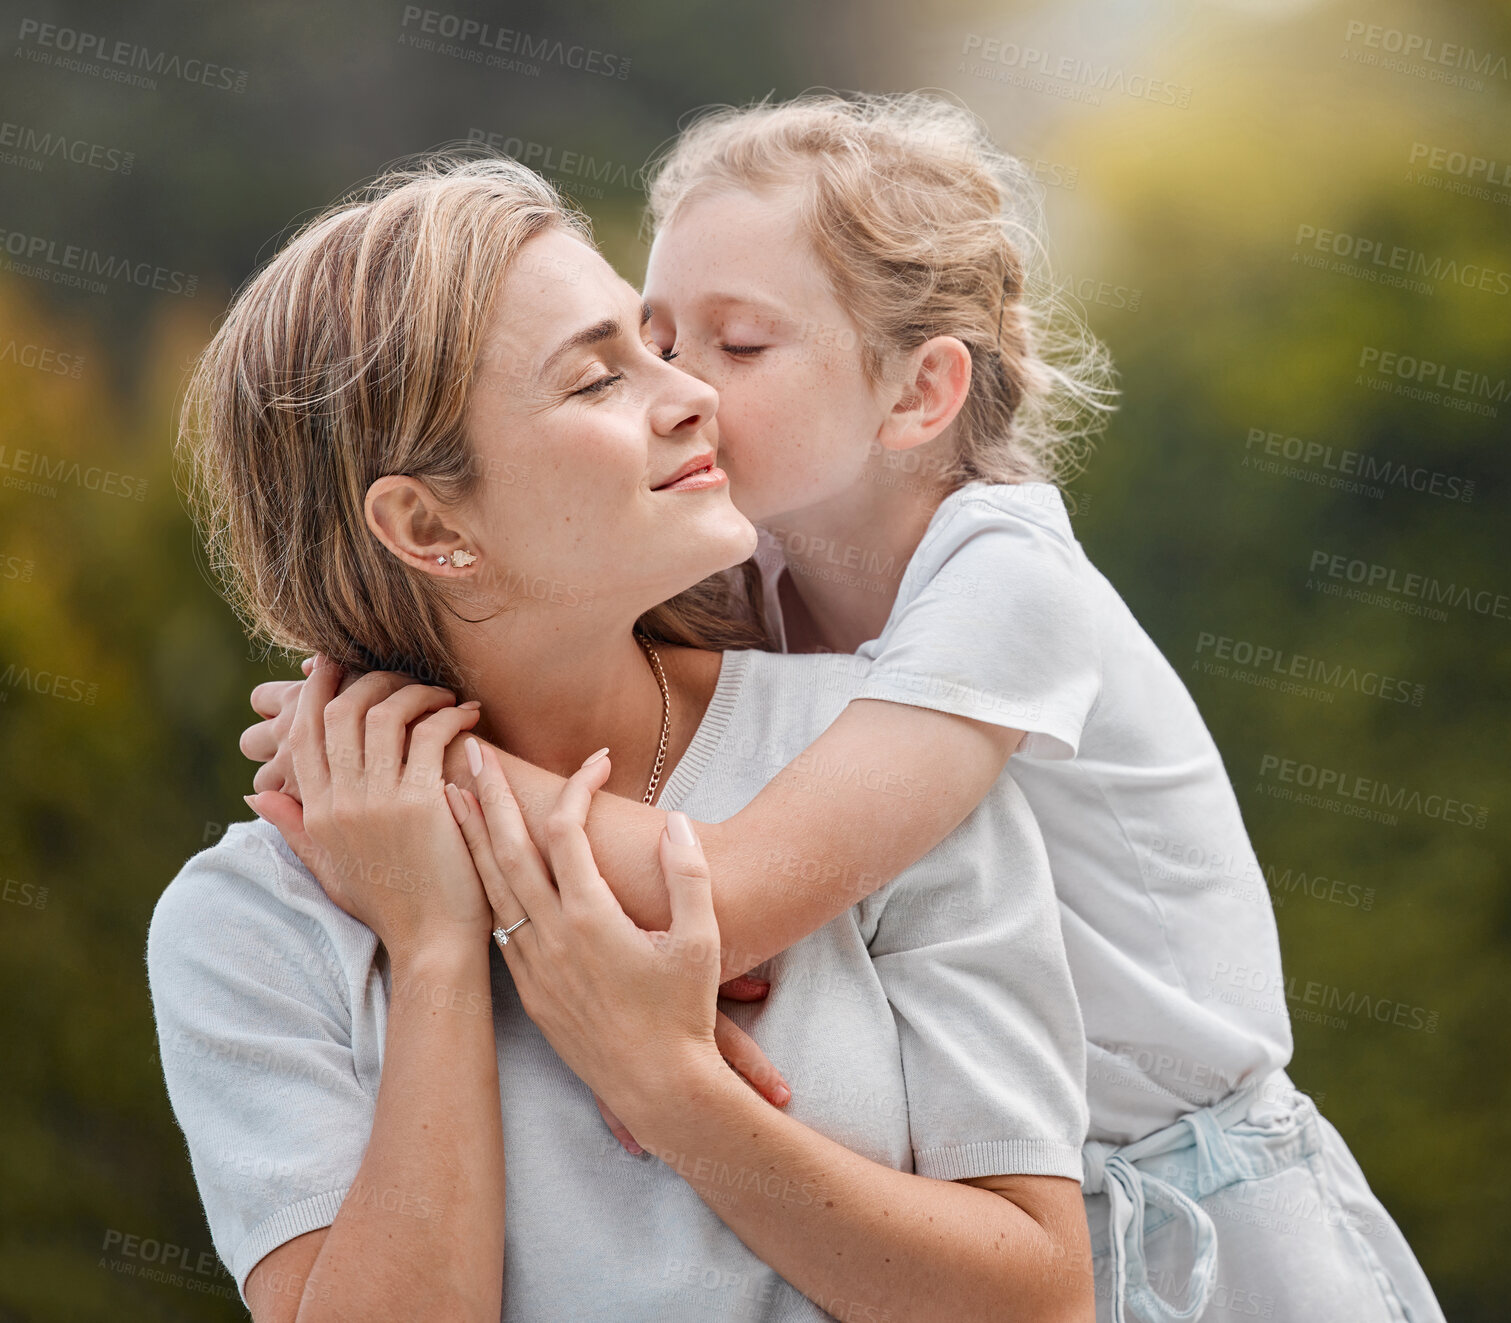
(267, 742)
(626, 1009)
(375, 828)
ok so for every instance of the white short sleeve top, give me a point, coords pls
(1168, 922)
(931, 1028)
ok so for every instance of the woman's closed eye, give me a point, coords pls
(603, 383)
(742, 351)
(612, 378)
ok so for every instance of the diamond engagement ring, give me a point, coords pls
(501, 935)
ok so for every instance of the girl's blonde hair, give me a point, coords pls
(350, 356)
(924, 228)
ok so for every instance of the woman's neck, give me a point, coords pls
(553, 691)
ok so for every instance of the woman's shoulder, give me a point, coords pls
(735, 673)
(248, 862)
(795, 688)
(241, 898)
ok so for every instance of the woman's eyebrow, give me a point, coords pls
(596, 334)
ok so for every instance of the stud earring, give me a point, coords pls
(440, 560)
(462, 559)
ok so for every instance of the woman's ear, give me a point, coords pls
(405, 517)
(932, 384)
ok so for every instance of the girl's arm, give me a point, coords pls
(879, 789)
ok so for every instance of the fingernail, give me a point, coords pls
(680, 829)
(634, 1148)
(458, 803)
(781, 1095)
(474, 757)
(471, 702)
(594, 757)
(251, 805)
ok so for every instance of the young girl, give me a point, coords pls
(856, 276)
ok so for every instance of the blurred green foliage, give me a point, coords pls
(125, 675)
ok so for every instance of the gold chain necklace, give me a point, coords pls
(666, 713)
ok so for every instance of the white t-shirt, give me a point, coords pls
(1167, 919)
(932, 1027)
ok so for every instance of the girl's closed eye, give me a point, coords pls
(664, 351)
(742, 351)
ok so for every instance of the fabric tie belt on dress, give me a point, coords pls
(1130, 1191)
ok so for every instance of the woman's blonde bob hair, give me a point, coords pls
(350, 356)
(924, 228)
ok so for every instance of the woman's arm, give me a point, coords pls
(420, 1235)
(860, 1239)
(864, 1241)
(879, 789)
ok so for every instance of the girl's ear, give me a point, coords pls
(405, 517)
(932, 384)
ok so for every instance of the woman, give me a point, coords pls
(433, 437)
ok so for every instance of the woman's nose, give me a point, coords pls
(686, 403)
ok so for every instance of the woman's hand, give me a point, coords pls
(627, 1010)
(375, 827)
(267, 742)
(736, 1047)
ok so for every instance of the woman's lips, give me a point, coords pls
(704, 459)
(712, 476)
